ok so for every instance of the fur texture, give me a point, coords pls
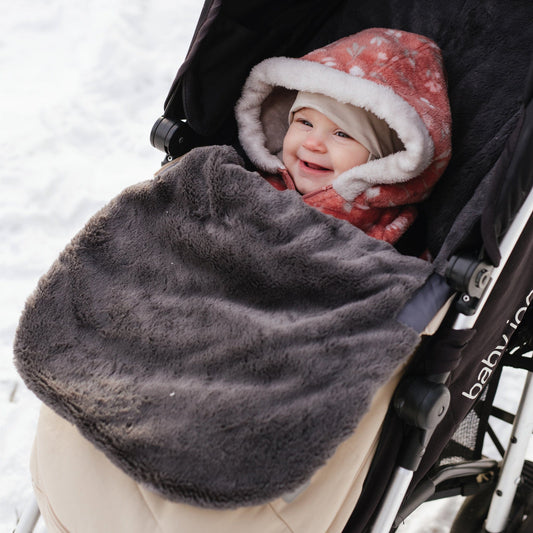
(216, 338)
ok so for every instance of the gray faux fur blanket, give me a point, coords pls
(215, 337)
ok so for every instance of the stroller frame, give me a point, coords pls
(515, 455)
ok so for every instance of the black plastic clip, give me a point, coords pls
(422, 404)
(471, 278)
(173, 138)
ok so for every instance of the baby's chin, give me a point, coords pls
(305, 186)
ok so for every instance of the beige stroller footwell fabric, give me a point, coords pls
(79, 490)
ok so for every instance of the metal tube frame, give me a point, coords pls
(29, 517)
(515, 456)
(401, 479)
(513, 462)
(393, 500)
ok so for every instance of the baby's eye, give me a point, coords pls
(342, 134)
(304, 122)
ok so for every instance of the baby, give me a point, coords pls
(369, 127)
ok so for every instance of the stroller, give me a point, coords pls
(476, 224)
(443, 405)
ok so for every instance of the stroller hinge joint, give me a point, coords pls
(470, 277)
(422, 404)
(175, 138)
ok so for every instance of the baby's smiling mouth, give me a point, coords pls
(314, 166)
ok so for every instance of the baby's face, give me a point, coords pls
(316, 150)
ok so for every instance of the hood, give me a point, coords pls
(396, 75)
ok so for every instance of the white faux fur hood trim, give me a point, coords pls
(263, 108)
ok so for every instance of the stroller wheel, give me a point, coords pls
(472, 514)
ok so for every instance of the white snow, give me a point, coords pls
(82, 84)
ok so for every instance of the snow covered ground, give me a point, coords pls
(82, 84)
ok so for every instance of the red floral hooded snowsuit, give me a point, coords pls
(396, 75)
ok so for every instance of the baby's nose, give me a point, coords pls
(315, 141)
